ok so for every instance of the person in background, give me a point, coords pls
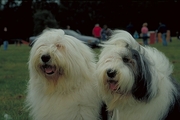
(105, 33)
(18, 42)
(130, 28)
(68, 27)
(97, 31)
(5, 38)
(177, 35)
(144, 33)
(136, 35)
(163, 30)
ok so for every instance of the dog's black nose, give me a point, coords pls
(111, 73)
(45, 58)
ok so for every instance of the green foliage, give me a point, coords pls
(84, 14)
(14, 75)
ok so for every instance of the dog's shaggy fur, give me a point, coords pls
(62, 84)
(135, 81)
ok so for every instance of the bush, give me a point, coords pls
(42, 20)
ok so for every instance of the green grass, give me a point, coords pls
(14, 75)
(13, 80)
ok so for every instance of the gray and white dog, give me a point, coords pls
(135, 81)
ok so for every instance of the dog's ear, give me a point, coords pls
(142, 87)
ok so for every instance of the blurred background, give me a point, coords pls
(26, 18)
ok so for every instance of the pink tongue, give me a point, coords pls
(112, 86)
(48, 70)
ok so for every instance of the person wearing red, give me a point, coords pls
(97, 31)
(144, 32)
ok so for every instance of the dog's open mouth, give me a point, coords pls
(113, 86)
(48, 69)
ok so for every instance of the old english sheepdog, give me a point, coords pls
(62, 83)
(135, 81)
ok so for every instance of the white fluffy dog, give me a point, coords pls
(62, 85)
(135, 81)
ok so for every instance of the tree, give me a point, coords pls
(43, 19)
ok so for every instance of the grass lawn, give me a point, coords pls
(14, 76)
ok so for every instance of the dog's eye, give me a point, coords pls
(125, 59)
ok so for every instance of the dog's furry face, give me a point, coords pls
(53, 57)
(123, 73)
(62, 84)
(135, 79)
